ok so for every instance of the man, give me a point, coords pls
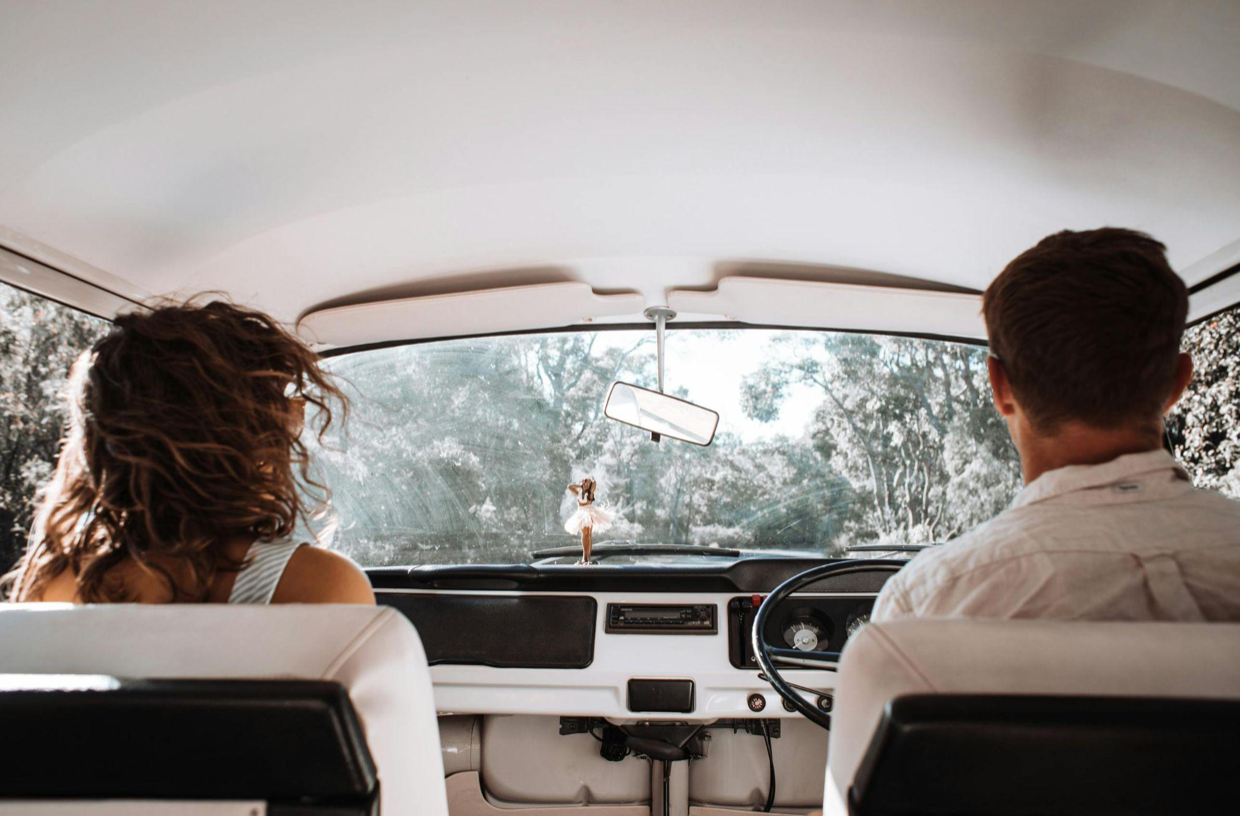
(1085, 332)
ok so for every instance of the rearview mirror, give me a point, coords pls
(660, 414)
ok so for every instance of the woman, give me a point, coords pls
(182, 474)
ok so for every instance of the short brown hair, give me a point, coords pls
(1088, 327)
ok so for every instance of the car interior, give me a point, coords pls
(707, 274)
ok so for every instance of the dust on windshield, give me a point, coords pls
(461, 451)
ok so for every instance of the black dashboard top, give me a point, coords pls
(746, 575)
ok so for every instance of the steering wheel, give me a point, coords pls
(768, 655)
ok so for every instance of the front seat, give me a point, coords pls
(367, 660)
(1035, 717)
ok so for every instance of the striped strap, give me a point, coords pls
(257, 581)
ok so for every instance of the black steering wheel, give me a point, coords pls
(768, 655)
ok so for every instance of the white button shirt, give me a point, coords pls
(1130, 539)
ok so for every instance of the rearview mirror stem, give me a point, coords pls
(660, 315)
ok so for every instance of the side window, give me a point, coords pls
(39, 340)
(1205, 426)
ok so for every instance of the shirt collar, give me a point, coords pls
(1084, 477)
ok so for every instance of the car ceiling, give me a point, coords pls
(298, 154)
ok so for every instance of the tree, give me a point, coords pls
(907, 422)
(491, 431)
(39, 340)
(1204, 427)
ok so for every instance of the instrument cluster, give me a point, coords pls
(807, 623)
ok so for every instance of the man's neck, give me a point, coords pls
(1077, 444)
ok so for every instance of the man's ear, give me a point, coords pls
(1183, 376)
(1000, 386)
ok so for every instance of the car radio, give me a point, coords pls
(661, 619)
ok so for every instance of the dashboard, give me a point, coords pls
(567, 641)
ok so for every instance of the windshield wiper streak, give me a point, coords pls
(601, 551)
(891, 547)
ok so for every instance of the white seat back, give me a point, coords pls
(927, 656)
(375, 653)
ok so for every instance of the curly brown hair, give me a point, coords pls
(182, 436)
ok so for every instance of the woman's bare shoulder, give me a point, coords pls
(315, 575)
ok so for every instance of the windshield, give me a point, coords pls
(461, 451)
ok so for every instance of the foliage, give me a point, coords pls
(39, 341)
(464, 449)
(1205, 426)
(908, 423)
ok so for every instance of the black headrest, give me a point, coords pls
(997, 755)
(75, 737)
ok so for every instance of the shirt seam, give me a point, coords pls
(1078, 551)
(1139, 473)
(938, 586)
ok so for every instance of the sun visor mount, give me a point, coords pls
(462, 314)
(814, 304)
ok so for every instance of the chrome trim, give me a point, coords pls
(505, 592)
(44, 281)
(807, 664)
(806, 689)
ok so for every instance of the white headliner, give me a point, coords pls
(298, 153)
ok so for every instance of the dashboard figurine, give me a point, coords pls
(588, 517)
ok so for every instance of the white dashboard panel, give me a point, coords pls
(599, 690)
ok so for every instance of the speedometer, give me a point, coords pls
(856, 622)
(803, 634)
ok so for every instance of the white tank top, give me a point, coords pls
(265, 563)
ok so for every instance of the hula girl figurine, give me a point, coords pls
(588, 517)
